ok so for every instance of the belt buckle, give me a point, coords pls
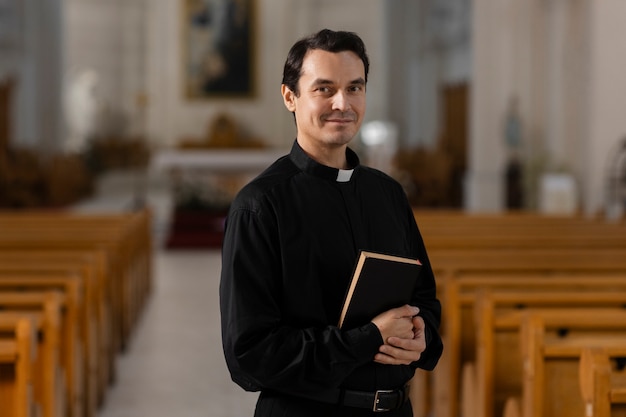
(376, 408)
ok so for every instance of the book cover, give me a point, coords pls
(380, 282)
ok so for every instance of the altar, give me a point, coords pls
(216, 161)
(203, 182)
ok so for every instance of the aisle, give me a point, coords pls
(174, 365)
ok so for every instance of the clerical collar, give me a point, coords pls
(307, 164)
(344, 175)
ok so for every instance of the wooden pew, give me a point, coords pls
(112, 253)
(72, 354)
(120, 244)
(571, 237)
(552, 345)
(95, 266)
(450, 263)
(49, 386)
(125, 237)
(457, 230)
(601, 386)
(498, 320)
(17, 353)
(508, 245)
(93, 343)
(458, 297)
(459, 222)
(49, 379)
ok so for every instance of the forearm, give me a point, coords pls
(282, 358)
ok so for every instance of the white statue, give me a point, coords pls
(83, 106)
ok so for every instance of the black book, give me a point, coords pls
(380, 282)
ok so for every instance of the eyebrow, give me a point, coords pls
(322, 81)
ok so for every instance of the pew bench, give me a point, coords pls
(497, 231)
(602, 387)
(95, 353)
(552, 345)
(17, 353)
(458, 330)
(109, 258)
(100, 299)
(125, 237)
(454, 262)
(499, 319)
(49, 384)
(448, 222)
(507, 245)
(73, 331)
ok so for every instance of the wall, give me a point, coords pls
(606, 95)
(428, 47)
(35, 63)
(558, 58)
(108, 38)
(170, 116)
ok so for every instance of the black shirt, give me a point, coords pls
(291, 241)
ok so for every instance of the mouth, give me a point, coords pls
(340, 119)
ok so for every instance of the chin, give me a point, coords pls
(341, 138)
(344, 140)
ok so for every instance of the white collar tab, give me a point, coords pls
(344, 175)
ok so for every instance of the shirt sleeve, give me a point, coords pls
(262, 350)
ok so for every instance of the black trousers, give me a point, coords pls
(276, 405)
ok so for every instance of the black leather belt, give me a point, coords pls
(378, 401)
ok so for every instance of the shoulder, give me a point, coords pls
(258, 192)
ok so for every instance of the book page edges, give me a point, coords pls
(389, 257)
(353, 281)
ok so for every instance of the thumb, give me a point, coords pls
(408, 311)
(418, 324)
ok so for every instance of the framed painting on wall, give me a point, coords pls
(218, 48)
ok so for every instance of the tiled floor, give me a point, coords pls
(174, 365)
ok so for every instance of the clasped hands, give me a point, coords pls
(403, 334)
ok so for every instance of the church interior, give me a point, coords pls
(127, 127)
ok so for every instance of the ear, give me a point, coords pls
(289, 98)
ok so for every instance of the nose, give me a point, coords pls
(341, 101)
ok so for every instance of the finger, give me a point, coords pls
(391, 360)
(418, 323)
(396, 356)
(417, 345)
(388, 360)
(419, 327)
(407, 311)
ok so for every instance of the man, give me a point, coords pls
(291, 241)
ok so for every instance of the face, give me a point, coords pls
(331, 104)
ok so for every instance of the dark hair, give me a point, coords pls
(326, 40)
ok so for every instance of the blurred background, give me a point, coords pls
(484, 105)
